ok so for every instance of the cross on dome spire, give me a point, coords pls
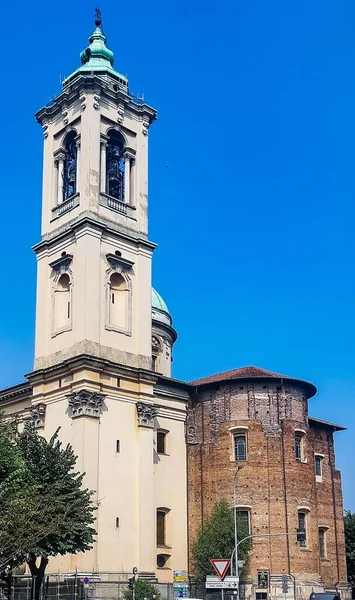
(98, 19)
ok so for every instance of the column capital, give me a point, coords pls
(59, 155)
(129, 153)
(77, 140)
(86, 403)
(38, 414)
(146, 414)
(103, 139)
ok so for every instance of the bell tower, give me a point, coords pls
(94, 257)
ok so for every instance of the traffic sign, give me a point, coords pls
(229, 582)
(135, 571)
(221, 566)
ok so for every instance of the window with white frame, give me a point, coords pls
(243, 521)
(299, 446)
(240, 446)
(302, 527)
(318, 467)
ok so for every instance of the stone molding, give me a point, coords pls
(38, 414)
(62, 264)
(86, 403)
(146, 414)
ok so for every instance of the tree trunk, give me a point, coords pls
(7, 577)
(37, 574)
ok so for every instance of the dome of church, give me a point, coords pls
(158, 302)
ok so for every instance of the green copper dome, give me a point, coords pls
(158, 302)
(97, 54)
(97, 58)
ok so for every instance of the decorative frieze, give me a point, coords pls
(38, 414)
(86, 403)
(146, 414)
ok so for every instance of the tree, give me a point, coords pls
(143, 589)
(215, 539)
(349, 527)
(46, 511)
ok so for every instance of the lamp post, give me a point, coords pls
(235, 519)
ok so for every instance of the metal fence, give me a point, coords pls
(88, 586)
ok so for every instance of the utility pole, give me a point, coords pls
(235, 522)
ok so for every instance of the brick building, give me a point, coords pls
(251, 428)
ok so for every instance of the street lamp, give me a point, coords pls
(235, 519)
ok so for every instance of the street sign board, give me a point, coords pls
(221, 566)
(86, 582)
(181, 584)
(228, 583)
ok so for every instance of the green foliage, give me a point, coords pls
(143, 589)
(45, 511)
(349, 527)
(216, 539)
(50, 469)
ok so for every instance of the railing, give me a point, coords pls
(65, 206)
(117, 205)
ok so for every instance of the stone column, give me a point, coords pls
(60, 164)
(132, 186)
(127, 178)
(77, 183)
(103, 147)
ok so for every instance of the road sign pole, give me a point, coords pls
(222, 593)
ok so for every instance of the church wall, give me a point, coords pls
(271, 484)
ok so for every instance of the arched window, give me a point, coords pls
(118, 301)
(62, 303)
(69, 171)
(115, 166)
(240, 447)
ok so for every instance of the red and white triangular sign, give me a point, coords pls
(221, 566)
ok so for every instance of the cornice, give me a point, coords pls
(96, 85)
(80, 222)
(63, 261)
(16, 391)
(169, 330)
(83, 361)
(118, 261)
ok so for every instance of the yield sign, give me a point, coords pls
(221, 566)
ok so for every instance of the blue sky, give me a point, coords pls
(252, 180)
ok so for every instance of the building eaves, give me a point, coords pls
(319, 423)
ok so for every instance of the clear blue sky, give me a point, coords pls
(254, 215)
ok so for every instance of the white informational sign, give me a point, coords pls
(228, 583)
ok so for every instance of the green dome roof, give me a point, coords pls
(97, 58)
(158, 302)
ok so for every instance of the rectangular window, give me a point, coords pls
(321, 533)
(318, 465)
(161, 528)
(161, 442)
(298, 447)
(302, 529)
(117, 445)
(243, 522)
(240, 447)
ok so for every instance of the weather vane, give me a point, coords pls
(98, 19)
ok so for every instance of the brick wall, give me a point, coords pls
(272, 484)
